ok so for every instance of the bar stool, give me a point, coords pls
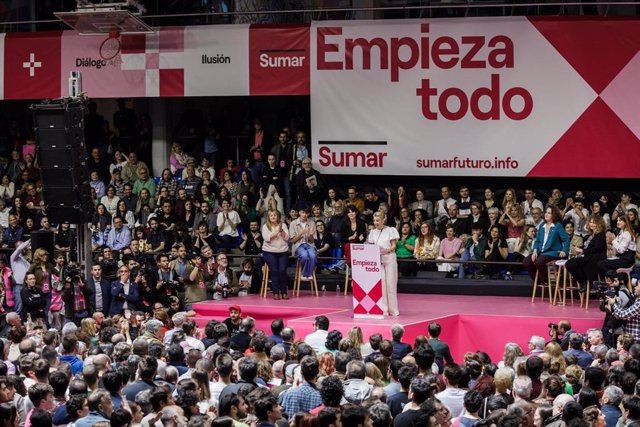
(265, 280)
(298, 279)
(563, 275)
(627, 271)
(585, 298)
(550, 276)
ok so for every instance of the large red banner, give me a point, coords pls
(32, 65)
(279, 60)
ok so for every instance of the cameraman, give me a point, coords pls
(613, 287)
(75, 294)
(560, 333)
(109, 264)
(165, 278)
(630, 313)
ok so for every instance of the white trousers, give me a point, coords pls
(389, 303)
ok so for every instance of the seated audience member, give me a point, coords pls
(551, 243)
(427, 247)
(474, 249)
(497, 250)
(449, 251)
(404, 251)
(249, 278)
(302, 233)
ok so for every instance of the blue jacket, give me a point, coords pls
(117, 301)
(558, 241)
(611, 415)
(584, 358)
(400, 350)
(74, 361)
(12, 236)
(91, 419)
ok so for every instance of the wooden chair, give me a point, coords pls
(562, 276)
(265, 280)
(627, 271)
(585, 298)
(298, 279)
(550, 276)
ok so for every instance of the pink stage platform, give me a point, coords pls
(469, 323)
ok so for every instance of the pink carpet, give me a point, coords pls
(469, 323)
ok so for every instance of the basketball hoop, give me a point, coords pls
(110, 47)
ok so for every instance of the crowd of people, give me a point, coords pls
(159, 369)
(120, 347)
(177, 232)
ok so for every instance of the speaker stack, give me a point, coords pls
(59, 128)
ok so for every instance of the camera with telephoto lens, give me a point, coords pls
(553, 326)
(72, 272)
(605, 291)
(109, 268)
(140, 270)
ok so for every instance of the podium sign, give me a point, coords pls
(366, 273)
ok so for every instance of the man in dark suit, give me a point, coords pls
(101, 289)
(400, 349)
(124, 293)
(460, 225)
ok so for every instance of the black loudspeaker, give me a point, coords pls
(59, 128)
(64, 114)
(60, 138)
(65, 176)
(42, 239)
(54, 158)
(59, 195)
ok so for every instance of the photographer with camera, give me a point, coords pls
(560, 333)
(166, 283)
(75, 294)
(141, 277)
(109, 264)
(613, 287)
(195, 287)
(225, 281)
(629, 313)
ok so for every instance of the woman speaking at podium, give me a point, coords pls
(386, 239)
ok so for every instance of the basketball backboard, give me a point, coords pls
(104, 21)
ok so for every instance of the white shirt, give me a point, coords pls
(382, 238)
(111, 205)
(526, 207)
(579, 224)
(453, 398)
(623, 243)
(440, 209)
(317, 339)
(224, 227)
(99, 301)
(125, 289)
(194, 343)
(546, 234)
(307, 228)
(4, 217)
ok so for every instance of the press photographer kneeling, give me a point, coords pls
(622, 307)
